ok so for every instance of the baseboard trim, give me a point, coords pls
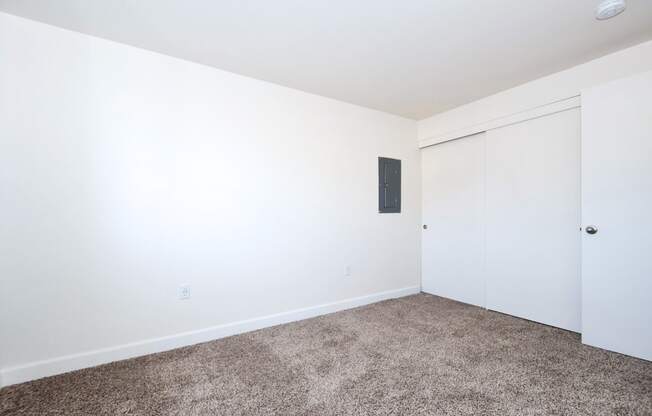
(64, 364)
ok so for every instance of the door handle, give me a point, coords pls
(590, 229)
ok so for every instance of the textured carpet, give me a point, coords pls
(419, 355)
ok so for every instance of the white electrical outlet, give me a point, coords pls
(347, 271)
(184, 292)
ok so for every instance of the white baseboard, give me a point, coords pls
(64, 364)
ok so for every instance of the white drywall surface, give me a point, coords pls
(543, 91)
(125, 174)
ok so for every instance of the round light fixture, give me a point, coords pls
(609, 8)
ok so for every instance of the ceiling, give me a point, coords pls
(413, 58)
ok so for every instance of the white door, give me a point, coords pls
(617, 201)
(533, 219)
(453, 205)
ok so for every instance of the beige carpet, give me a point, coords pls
(419, 355)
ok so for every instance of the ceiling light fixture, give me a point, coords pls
(609, 8)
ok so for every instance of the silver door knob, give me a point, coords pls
(590, 229)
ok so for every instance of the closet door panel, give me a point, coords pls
(533, 219)
(617, 202)
(453, 211)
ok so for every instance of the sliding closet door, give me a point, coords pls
(453, 205)
(617, 203)
(533, 219)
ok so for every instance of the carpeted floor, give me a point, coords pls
(419, 355)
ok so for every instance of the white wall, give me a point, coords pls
(552, 88)
(125, 173)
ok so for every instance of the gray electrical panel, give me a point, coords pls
(389, 185)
